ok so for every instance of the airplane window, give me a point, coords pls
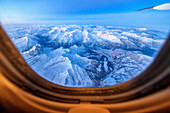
(87, 43)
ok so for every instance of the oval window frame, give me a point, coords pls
(11, 62)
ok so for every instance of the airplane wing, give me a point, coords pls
(165, 6)
(146, 8)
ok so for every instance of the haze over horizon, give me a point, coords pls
(85, 12)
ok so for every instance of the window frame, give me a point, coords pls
(14, 67)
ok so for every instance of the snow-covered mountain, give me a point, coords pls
(87, 55)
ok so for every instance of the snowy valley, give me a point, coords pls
(87, 55)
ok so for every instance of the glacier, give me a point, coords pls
(87, 55)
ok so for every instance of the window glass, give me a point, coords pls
(87, 43)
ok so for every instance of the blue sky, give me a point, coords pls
(105, 12)
(55, 7)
